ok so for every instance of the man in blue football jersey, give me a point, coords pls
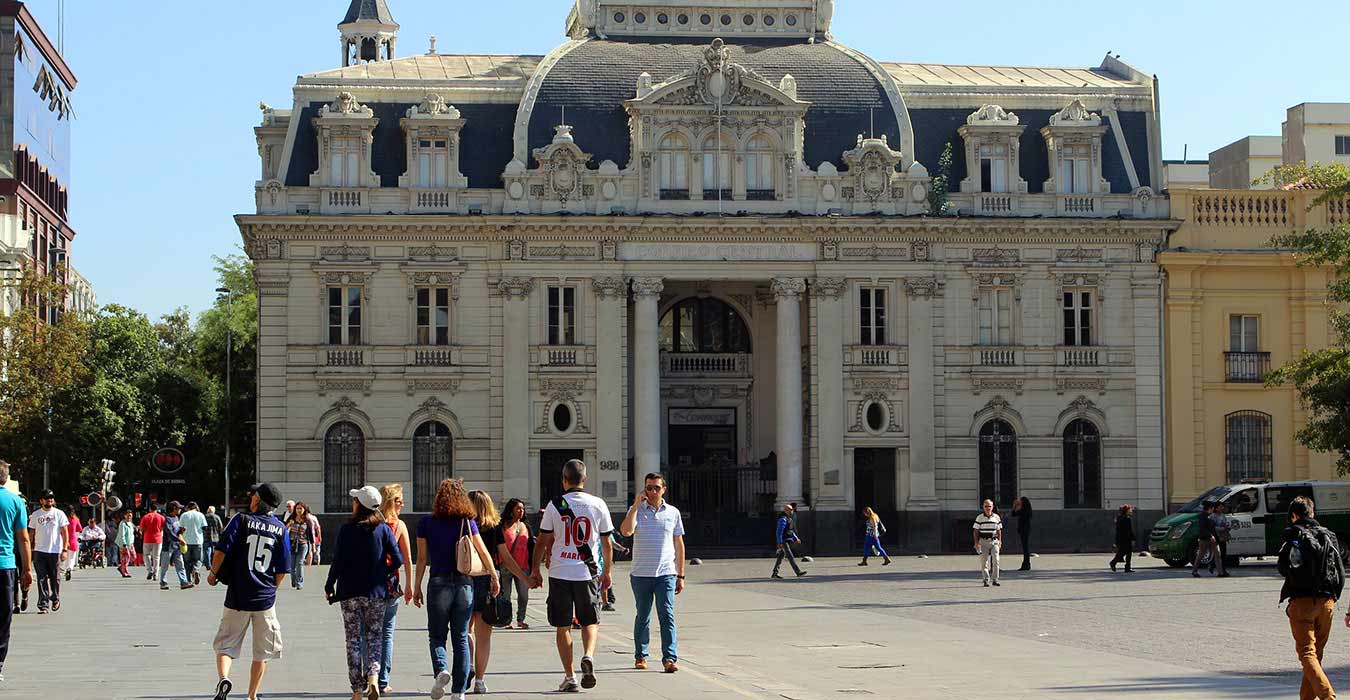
(251, 558)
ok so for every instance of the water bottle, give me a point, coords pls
(1295, 555)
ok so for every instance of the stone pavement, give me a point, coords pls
(917, 629)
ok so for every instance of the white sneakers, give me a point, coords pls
(438, 689)
(479, 687)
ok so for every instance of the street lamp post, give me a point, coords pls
(229, 352)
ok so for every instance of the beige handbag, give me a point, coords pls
(467, 560)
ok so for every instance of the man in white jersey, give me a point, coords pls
(574, 527)
(988, 541)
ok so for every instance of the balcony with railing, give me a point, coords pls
(344, 357)
(344, 200)
(437, 356)
(424, 201)
(1020, 204)
(1246, 367)
(705, 364)
(996, 356)
(1080, 356)
(562, 355)
(1241, 219)
(886, 357)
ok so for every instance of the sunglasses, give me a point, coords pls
(652, 488)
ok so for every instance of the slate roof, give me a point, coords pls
(369, 10)
(433, 67)
(918, 76)
(593, 80)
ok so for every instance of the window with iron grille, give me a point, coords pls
(1248, 447)
(344, 315)
(998, 462)
(1082, 465)
(433, 462)
(344, 465)
(433, 316)
(872, 315)
(562, 315)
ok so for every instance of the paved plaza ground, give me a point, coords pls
(920, 628)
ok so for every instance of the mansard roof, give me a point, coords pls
(430, 68)
(921, 77)
(593, 79)
(376, 10)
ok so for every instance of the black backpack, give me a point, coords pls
(1311, 562)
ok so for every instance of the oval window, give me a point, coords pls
(641, 18)
(768, 20)
(662, 18)
(706, 19)
(748, 19)
(792, 20)
(876, 417)
(619, 17)
(562, 418)
(726, 20)
(684, 19)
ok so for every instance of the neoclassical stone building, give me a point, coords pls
(698, 240)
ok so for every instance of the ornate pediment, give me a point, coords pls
(872, 165)
(717, 81)
(1076, 114)
(564, 165)
(345, 105)
(433, 105)
(992, 115)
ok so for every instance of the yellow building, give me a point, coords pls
(1235, 309)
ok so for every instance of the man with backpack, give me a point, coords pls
(1310, 561)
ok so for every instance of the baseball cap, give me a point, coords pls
(367, 496)
(268, 493)
(46, 493)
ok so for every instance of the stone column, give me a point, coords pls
(516, 418)
(646, 376)
(788, 430)
(922, 436)
(611, 293)
(829, 316)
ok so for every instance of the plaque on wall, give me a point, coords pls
(703, 416)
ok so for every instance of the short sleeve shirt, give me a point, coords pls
(589, 522)
(194, 523)
(654, 535)
(152, 525)
(988, 525)
(48, 524)
(12, 521)
(257, 548)
(442, 535)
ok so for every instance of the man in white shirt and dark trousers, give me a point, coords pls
(574, 526)
(51, 536)
(658, 568)
(988, 541)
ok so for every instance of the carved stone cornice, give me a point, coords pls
(648, 287)
(788, 287)
(924, 287)
(610, 287)
(828, 287)
(515, 287)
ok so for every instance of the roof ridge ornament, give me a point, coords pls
(346, 105)
(991, 115)
(1076, 114)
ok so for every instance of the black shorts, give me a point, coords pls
(482, 589)
(569, 599)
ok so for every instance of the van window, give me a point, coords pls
(1278, 498)
(1244, 501)
(1197, 505)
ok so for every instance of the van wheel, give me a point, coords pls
(1176, 563)
(1190, 555)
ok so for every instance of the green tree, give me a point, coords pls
(234, 416)
(1322, 377)
(941, 185)
(1333, 179)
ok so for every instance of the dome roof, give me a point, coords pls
(849, 94)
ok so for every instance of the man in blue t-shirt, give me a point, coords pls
(252, 557)
(15, 557)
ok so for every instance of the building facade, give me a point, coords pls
(698, 241)
(1312, 132)
(1236, 308)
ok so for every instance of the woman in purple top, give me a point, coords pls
(449, 597)
(366, 554)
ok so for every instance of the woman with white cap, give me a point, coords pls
(366, 554)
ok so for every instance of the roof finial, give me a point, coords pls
(564, 115)
(432, 51)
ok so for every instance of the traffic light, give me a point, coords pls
(84, 500)
(107, 474)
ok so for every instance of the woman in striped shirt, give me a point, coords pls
(872, 532)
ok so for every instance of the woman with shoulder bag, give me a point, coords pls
(366, 554)
(517, 542)
(487, 605)
(449, 544)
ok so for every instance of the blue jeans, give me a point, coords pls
(872, 544)
(390, 613)
(298, 564)
(208, 549)
(449, 609)
(171, 555)
(661, 590)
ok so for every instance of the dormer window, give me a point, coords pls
(992, 137)
(717, 154)
(345, 130)
(759, 159)
(1074, 142)
(672, 167)
(1075, 169)
(344, 161)
(432, 129)
(432, 159)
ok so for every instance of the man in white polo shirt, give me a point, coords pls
(658, 568)
(988, 541)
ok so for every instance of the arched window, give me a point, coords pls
(717, 167)
(672, 167)
(433, 462)
(1247, 446)
(703, 325)
(1082, 465)
(759, 159)
(998, 462)
(344, 465)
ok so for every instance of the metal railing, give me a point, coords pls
(1246, 367)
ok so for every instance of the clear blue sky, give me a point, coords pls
(164, 154)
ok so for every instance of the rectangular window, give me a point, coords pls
(758, 172)
(344, 315)
(562, 315)
(994, 168)
(995, 312)
(433, 316)
(1078, 318)
(1074, 170)
(433, 161)
(716, 172)
(1343, 145)
(1243, 333)
(343, 162)
(872, 312)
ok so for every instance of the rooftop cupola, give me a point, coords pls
(369, 32)
(802, 19)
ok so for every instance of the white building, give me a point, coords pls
(1312, 132)
(696, 241)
